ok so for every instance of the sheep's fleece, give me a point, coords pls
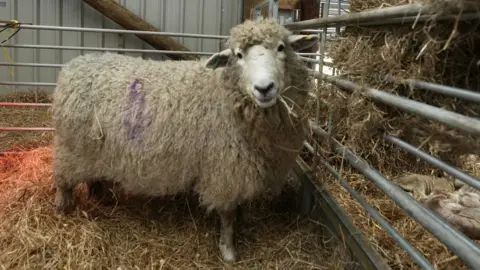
(164, 127)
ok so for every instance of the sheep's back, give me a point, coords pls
(137, 137)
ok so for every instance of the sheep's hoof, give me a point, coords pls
(228, 254)
(64, 201)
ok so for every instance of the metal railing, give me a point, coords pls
(461, 245)
(397, 14)
(448, 118)
(114, 31)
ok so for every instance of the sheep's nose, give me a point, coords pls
(264, 89)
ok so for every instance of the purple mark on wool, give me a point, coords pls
(135, 118)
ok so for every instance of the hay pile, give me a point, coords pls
(137, 233)
(427, 52)
(440, 52)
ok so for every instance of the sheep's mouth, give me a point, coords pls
(265, 102)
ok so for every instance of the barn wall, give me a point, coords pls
(185, 16)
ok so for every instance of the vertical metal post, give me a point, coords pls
(324, 13)
(337, 30)
(273, 9)
(257, 9)
(339, 13)
(257, 13)
(297, 15)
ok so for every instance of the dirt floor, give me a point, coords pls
(169, 233)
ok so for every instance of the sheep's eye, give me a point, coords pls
(239, 55)
(280, 48)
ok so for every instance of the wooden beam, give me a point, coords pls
(310, 9)
(289, 4)
(130, 21)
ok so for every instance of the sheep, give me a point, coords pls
(228, 127)
(460, 208)
(455, 201)
(422, 185)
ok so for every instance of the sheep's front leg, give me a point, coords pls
(226, 243)
(64, 202)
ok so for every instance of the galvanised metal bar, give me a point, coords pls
(53, 47)
(462, 176)
(311, 60)
(31, 65)
(29, 84)
(339, 9)
(325, 11)
(451, 119)
(20, 104)
(456, 241)
(439, 88)
(418, 19)
(26, 129)
(257, 9)
(334, 217)
(400, 21)
(367, 16)
(309, 54)
(404, 244)
(313, 31)
(273, 9)
(114, 31)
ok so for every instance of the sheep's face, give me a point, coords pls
(261, 66)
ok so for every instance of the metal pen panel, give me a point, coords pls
(462, 176)
(451, 119)
(456, 241)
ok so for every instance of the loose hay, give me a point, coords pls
(368, 54)
(169, 233)
(429, 52)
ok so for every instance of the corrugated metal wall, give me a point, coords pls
(185, 16)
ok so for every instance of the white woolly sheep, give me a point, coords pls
(222, 127)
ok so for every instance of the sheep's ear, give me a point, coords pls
(302, 42)
(219, 59)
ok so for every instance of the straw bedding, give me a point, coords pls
(134, 233)
(434, 51)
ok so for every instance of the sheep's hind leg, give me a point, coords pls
(101, 190)
(226, 243)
